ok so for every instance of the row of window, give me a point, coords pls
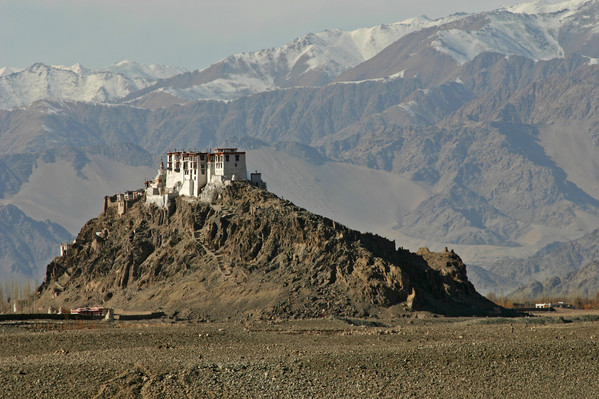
(203, 171)
(185, 157)
(217, 157)
(219, 164)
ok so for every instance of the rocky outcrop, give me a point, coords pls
(249, 254)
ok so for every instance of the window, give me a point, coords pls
(226, 158)
(236, 158)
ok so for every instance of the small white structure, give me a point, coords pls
(109, 314)
(188, 172)
(18, 305)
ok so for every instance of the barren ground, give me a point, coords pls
(540, 357)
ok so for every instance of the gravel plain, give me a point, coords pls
(418, 357)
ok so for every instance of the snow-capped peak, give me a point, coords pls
(4, 71)
(77, 68)
(134, 70)
(313, 59)
(545, 7)
(529, 29)
(76, 83)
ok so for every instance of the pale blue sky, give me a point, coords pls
(187, 33)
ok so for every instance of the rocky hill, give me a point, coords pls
(249, 254)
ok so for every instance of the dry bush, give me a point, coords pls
(20, 292)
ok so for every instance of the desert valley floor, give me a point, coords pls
(416, 357)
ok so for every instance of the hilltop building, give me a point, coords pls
(187, 173)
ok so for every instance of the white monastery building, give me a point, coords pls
(187, 173)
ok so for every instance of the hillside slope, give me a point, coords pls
(583, 283)
(25, 244)
(554, 260)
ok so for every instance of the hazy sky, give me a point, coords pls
(188, 33)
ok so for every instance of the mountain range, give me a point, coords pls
(474, 131)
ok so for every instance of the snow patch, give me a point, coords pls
(4, 71)
(534, 37)
(398, 75)
(134, 70)
(74, 83)
(408, 107)
(543, 7)
(50, 109)
(77, 68)
(223, 89)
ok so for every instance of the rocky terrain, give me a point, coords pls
(247, 254)
(423, 357)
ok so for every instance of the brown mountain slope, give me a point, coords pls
(249, 254)
(583, 282)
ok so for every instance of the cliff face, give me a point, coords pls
(249, 254)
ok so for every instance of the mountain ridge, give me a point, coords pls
(77, 83)
(539, 32)
(25, 243)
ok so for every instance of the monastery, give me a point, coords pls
(187, 173)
